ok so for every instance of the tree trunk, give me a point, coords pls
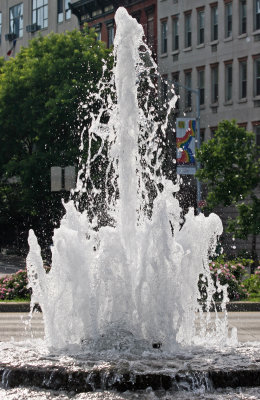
(254, 254)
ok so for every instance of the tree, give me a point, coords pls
(41, 119)
(230, 167)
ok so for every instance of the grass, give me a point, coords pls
(255, 298)
(17, 300)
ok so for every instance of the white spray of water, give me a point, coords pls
(136, 283)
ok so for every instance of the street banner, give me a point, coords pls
(185, 141)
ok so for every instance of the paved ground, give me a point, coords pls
(16, 325)
(10, 264)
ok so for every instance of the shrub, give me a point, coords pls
(252, 284)
(15, 286)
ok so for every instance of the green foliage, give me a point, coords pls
(42, 91)
(15, 286)
(229, 164)
(248, 220)
(252, 284)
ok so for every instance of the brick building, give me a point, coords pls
(100, 15)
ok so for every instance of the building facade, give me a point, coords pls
(22, 20)
(100, 15)
(214, 46)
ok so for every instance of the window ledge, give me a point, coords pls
(256, 32)
(228, 39)
(228, 103)
(213, 105)
(242, 36)
(200, 46)
(187, 49)
(43, 29)
(213, 43)
(175, 52)
(243, 100)
(164, 55)
(256, 98)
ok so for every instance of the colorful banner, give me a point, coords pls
(185, 141)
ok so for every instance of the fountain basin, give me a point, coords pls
(189, 369)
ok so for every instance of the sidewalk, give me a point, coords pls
(9, 264)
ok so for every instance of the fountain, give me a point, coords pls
(120, 303)
(129, 277)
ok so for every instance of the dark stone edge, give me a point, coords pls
(17, 307)
(59, 378)
(232, 306)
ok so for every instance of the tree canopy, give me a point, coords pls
(230, 167)
(41, 119)
(229, 164)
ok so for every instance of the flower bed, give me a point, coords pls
(232, 273)
(15, 286)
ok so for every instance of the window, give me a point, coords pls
(110, 35)
(228, 81)
(164, 88)
(202, 135)
(16, 20)
(257, 14)
(150, 29)
(175, 82)
(242, 79)
(175, 33)
(242, 17)
(67, 10)
(201, 26)
(201, 85)
(214, 84)
(214, 22)
(187, 76)
(187, 29)
(95, 13)
(98, 28)
(257, 134)
(40, 13)
(257, 76)
(213, 130)
(0, 26)
(163, 37)
(228, 19)
(60, 10)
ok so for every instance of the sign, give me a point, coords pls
(185, 141)
(63, 178)
(186, 170)
(56, 179)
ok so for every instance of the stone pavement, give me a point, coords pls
(16, 325)
(10, 264)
